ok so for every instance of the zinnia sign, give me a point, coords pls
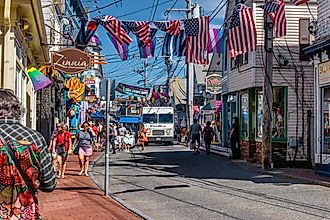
(71, 60)
(213, 84)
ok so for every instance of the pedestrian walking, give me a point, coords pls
(85, 141)
(100, 130)
(143, 137)
(113, 137)
(62, 144)
(51, 144)
(234, 139)
(26, 165)
(121, 133)
(195, 135)
(208, 134)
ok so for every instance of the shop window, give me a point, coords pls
(279, 112)
(326, 121)
(245, 116)
(259, 98)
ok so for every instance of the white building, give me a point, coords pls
(320, 52)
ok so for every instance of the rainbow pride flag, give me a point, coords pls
(39, 81)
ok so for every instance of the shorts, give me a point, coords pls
(64, 155)
(194, 138)
(86, 151)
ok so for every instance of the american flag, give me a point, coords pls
(299, 2)
(242, 34)
(112, 25)
(140, 29)
(170, 27)
(197, 39)
(276, 11)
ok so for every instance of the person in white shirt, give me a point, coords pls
(99, 129)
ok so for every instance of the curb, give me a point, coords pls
(111, 195)
(278, 174)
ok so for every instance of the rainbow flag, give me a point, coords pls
(39, 81)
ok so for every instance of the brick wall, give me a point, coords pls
(279, 154)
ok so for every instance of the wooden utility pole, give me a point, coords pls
(145, 76)
(267, 95)
(168, 62)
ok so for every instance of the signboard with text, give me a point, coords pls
(71, 60)
(324, 73)
(132, 90)
(213, 84)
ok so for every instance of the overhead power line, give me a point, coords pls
(143, 9)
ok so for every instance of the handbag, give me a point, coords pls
(61, 149)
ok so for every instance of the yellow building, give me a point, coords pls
(22, 38)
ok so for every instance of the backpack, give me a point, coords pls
(208, 133)
(19, 179)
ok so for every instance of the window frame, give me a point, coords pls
(285, 113)
(245, 138)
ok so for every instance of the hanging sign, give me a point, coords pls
(90, 98)
(71, 60)
(324, 73)
(132, 90)
(89, 77)
(213, 84)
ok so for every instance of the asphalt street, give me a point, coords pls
(169, 182)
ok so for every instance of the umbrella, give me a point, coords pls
(39, 81)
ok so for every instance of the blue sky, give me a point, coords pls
(125, 71)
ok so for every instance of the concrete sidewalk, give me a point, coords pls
(308, 175)
(77, 197)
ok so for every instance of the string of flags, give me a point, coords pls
(195, 40)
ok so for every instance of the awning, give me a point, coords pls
(97, 115)
(130, 120)
(207, 107)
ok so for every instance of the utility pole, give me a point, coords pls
(145, 78)
(188, 101)
(267, 95)
(168, 62)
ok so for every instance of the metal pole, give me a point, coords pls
(189, 16)
(267, 96)
(106, 178)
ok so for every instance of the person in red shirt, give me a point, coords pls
(62, 144)
(94, 128)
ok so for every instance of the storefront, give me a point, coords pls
(250, 120)
(322, 151)
(229, 111)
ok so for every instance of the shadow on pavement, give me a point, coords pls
(185, 164)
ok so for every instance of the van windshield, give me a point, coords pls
(166, 118)
(150, 118)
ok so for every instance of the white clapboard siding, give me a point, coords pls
(251, 74)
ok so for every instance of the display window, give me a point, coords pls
(325, 119)
(245, 115)
(279, 114)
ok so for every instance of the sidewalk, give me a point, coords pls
(77, 197)
(307, 175)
